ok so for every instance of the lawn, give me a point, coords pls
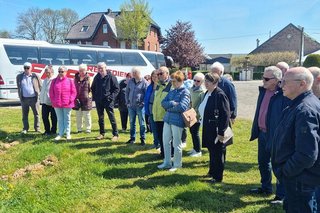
(105, 176)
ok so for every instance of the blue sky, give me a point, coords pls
(221, 26)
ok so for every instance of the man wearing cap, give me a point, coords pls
(29, 86)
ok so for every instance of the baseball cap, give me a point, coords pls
(27, 64)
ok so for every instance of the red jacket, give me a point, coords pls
(62, 93)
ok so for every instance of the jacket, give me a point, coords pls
(298, 135)
(135, 92)
(121, 97)
(276, 105)
(197, 95)
(210, 125)
(161, 92)
(36, 82)
(44, 93)
(230, 91)
(173, 115)
(105, 90)
(147, 99)
(84, 91)
(62, 93)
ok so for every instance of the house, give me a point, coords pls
(224, 59)
(288, 39)
(99, 28)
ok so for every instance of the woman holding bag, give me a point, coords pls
(215, 113)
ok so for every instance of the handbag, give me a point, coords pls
(189, 117)
(77, 104)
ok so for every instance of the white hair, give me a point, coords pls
(217, 65)
(199, 75)
(83, 67)
(303, 74)
(282, 65)
(136, 69)
(102, 64)
(315, 71)
(276, 72)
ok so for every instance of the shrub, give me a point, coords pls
(312, 60)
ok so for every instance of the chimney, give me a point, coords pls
(108, 11)
(258, 41)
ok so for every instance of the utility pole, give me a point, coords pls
(301, 47)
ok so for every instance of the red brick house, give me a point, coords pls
(99, 28)
(288, 39)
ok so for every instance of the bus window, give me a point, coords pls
(54, 56)
(110, 58)
(161, 61)
(84, 56)
(152, 58)
(18, 55)
(132, 59)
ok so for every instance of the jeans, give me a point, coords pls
(64, 120)
(34, 104)
(124, 118)
(172, 133)
(264, 161)
(83, 116)
(194, 130)
(45, 111)
(318, 198)
(217, 155)
(133, 113)
(154, 131)
(299, 197)
(100, 110)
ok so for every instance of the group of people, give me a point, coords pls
(286, 124)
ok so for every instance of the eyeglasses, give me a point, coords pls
(196, 80)
(284, 82)
(26, 68)
(160, 73)
(267, 79)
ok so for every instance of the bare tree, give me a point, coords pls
(50, 24)
(69, 18)
(29, 24)
(134, 21)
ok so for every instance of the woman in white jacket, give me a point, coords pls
(45, 101)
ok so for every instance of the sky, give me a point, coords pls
(220, 26)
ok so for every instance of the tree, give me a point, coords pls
(134, 21)
(29, 24)
(50, 25)
(5, 34)
(181, 45)
(312, 60)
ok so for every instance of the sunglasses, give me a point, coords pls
(60, 71)
(26, 68)
(160, 73)
(196, 80)
(267, 79)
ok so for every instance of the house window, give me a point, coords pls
(79, 42)
(123, 45)
(105, 28)
(84, 29)
(105, 43)
(88, 43)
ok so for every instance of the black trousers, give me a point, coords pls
(46, 111)
(124, 118)
(184, 135)
(100, 110)
(159, 127)
(217, 155)
(194, 130)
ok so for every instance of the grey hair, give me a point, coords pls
(282, 65)
(164, 69)
(136, 69)
(199, 75)
(315, 71)
(83, 66)
(102, 64)
(276, 72)
(217, 65)
(304, 75)
(63, 68)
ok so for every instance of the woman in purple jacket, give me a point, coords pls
(62, 95)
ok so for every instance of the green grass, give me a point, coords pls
(105, 176)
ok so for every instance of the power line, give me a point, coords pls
(232, 37)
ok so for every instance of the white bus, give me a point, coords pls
(14, 53)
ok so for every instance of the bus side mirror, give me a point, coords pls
(169, 61)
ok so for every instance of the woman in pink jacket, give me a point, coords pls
(62, 95)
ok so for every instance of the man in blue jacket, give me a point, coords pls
(270, 105)
(297, 162)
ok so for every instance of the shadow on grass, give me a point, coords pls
(81, 145)
(238, 167)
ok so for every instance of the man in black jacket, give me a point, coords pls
(105, 89)
(297, 161)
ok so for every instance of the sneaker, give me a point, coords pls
(131, 141)
(173, 169)
(24, 132)
(100, 137)
(191, 151)
(57, 138)
(143, 143)
(277, 200)
(79, 131)
(38, 131)
(88, 131)
(183, 145)
(260, 191)
(164, 166)
(68, 137)
(196, 154)
(115, 138)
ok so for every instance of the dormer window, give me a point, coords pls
(84, 29)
